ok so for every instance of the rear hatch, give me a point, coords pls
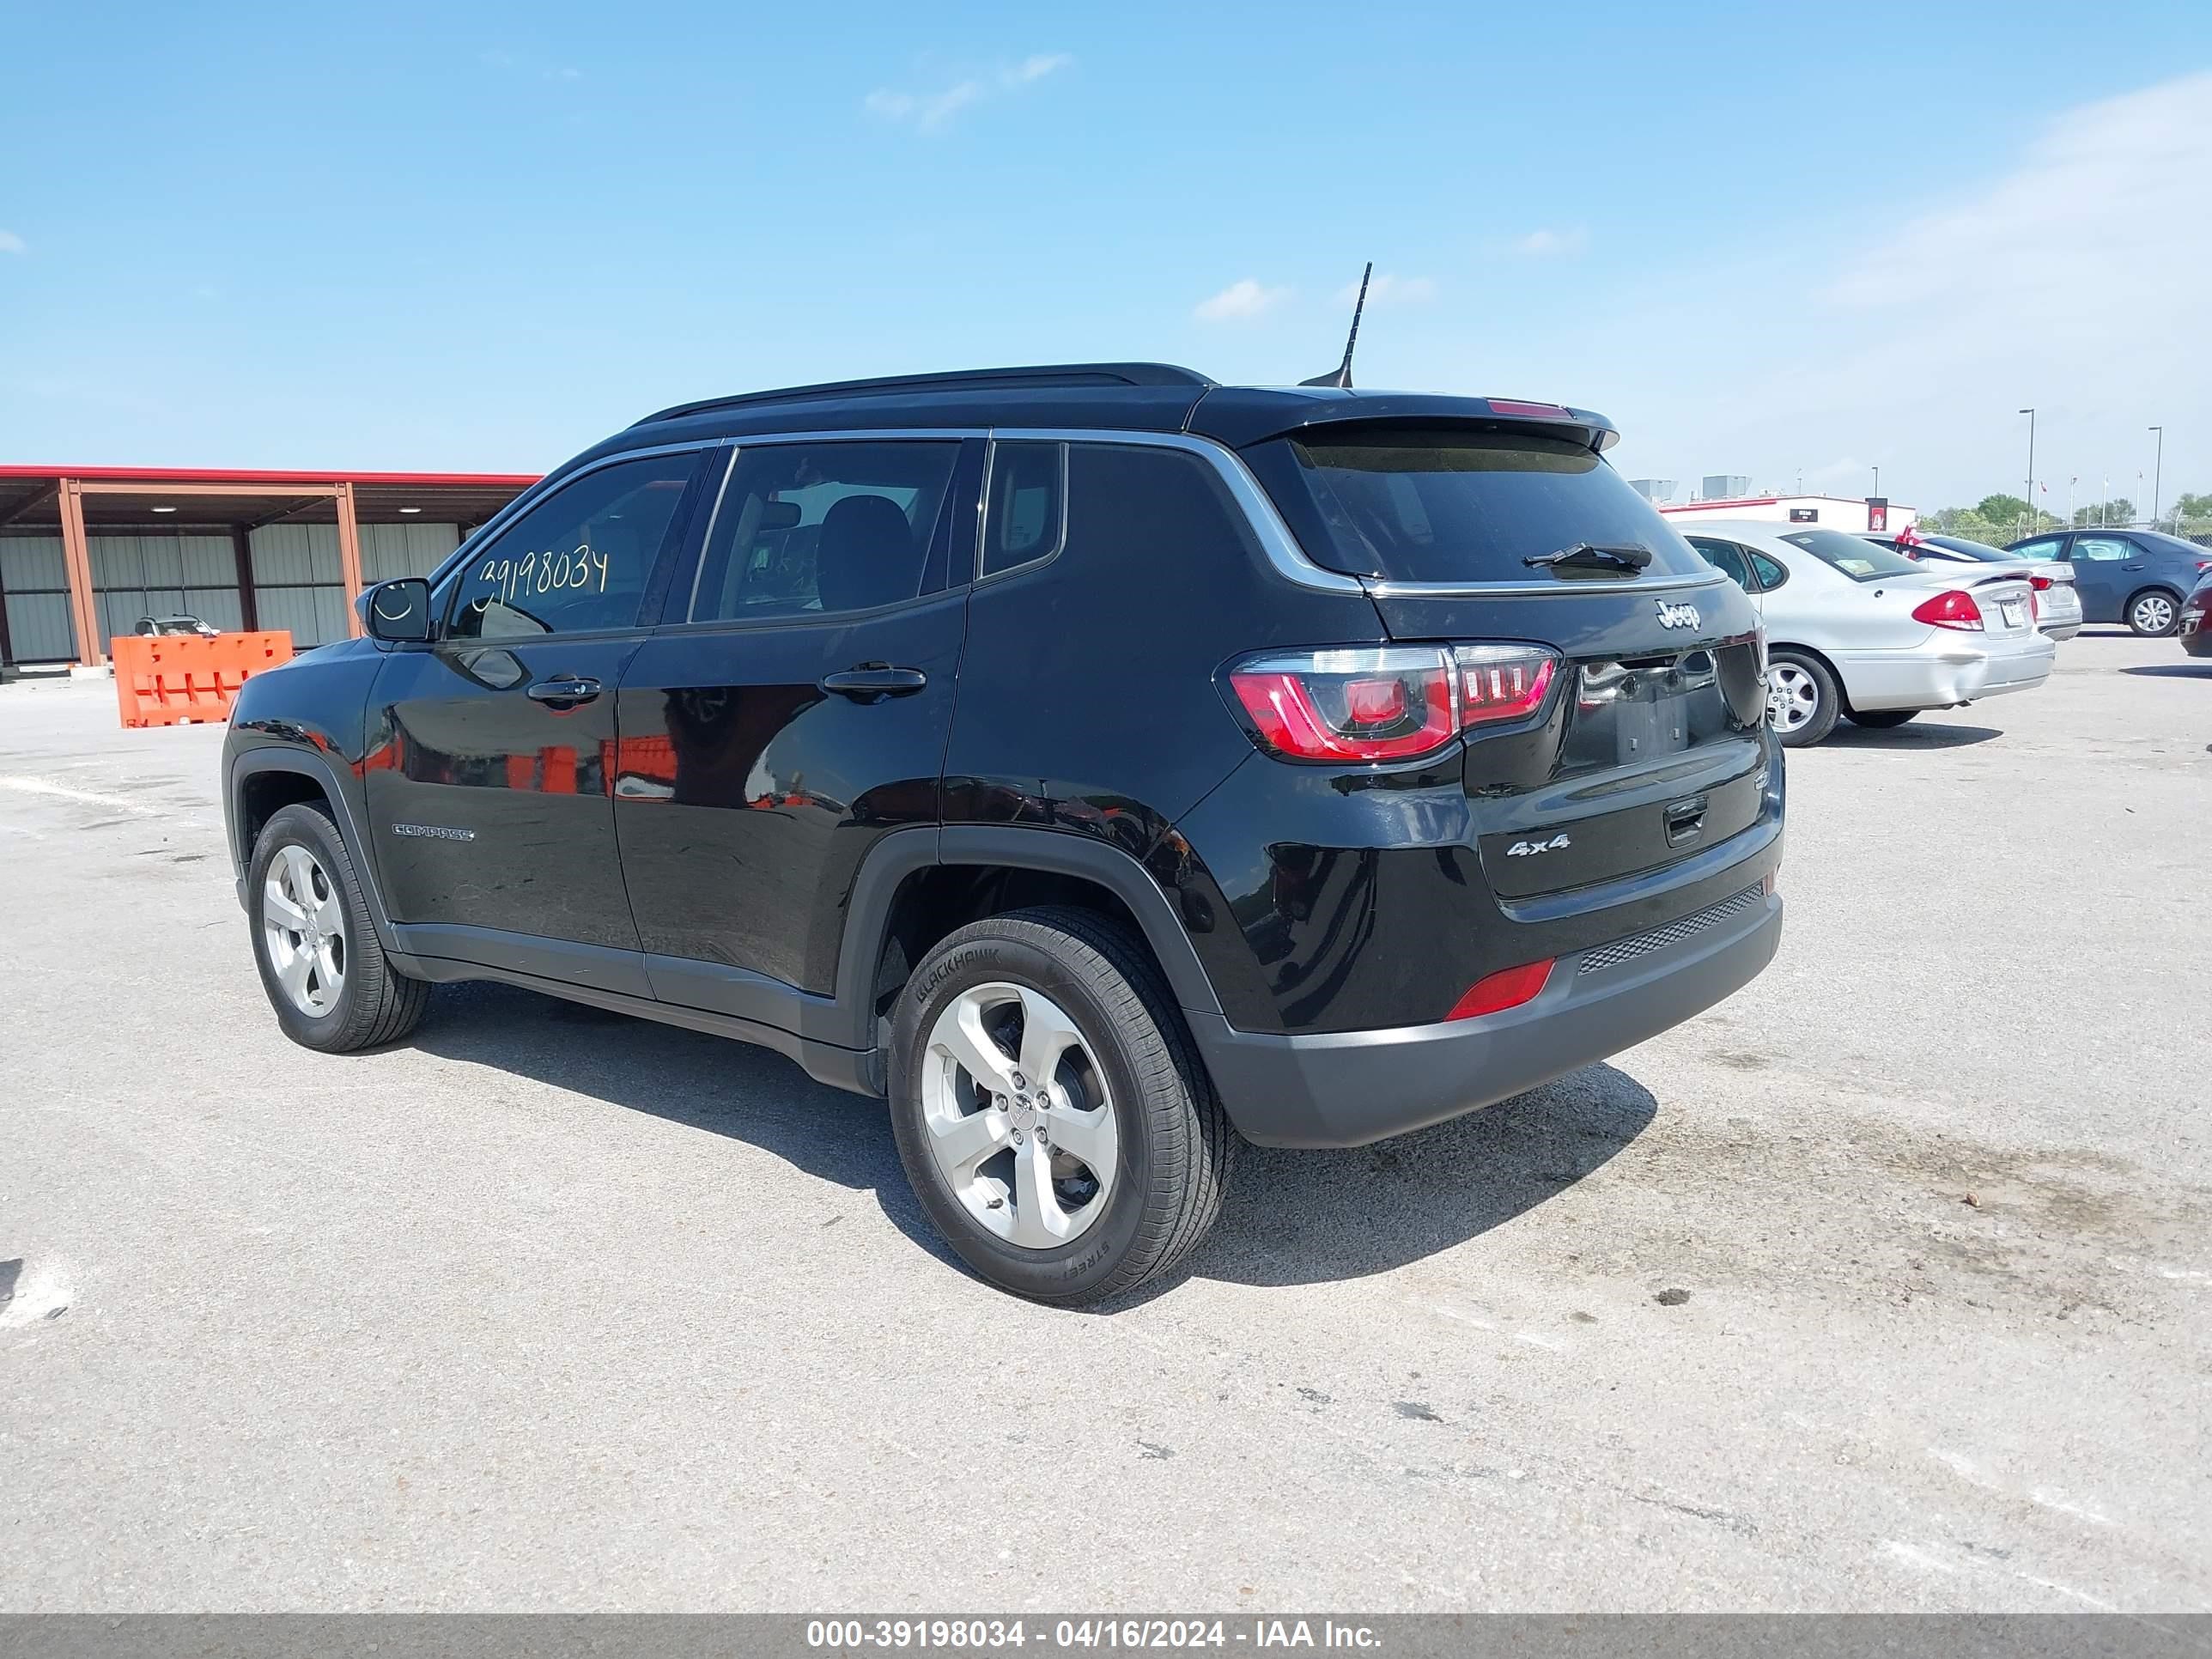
(1649, 750)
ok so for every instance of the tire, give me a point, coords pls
(2152, 614)
(1089, 994)
(1802, 702)
(1880, 719)
(345, 999)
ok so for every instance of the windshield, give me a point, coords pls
(1855, 557)
(1443, 504)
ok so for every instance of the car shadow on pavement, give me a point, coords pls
(2172, 671)
(1914, 736)
(1304, 1216)
(705, 1082)
(1291, 1217)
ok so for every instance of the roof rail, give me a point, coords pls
(964, 380)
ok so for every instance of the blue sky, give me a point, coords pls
(1767, 241)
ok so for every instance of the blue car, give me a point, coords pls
(2134, 576)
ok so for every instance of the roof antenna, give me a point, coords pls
(1341, 378)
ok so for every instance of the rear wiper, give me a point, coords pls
(1630, 559)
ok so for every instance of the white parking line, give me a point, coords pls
(85, 797)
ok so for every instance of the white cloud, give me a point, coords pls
(1388, 288)
(929, 111)
(11, 243)
(1240, 300)
(1544, 243)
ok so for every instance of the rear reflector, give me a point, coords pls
(1364, 704)
(1509, 988)
(1953, 608)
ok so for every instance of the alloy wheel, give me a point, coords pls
(1792, 698)
(303, 924)
(1019, 1118)
(2152, 614)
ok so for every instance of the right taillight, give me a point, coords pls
(1392, 702)
(1953, 608)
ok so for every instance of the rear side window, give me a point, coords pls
(809, 529)
(1853, 556)
(1725, 557)
(1459, 505)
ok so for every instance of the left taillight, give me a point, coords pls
(1953, 608)
(1386, 702)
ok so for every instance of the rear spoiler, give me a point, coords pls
(1241, 416)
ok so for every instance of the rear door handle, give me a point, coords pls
(867, 682)
(564, 692)
(2137, 565)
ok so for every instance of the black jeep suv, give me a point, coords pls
(1101, 762)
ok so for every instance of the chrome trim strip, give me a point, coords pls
(1276, 541)
(1631, 588)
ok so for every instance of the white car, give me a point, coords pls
(2057, 606)
(1856, 631)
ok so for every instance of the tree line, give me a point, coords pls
(2000, 519)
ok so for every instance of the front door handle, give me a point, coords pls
(866, 681)
(564, 692)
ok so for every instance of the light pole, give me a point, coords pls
(1877, 480)
(2031, 470)
(2158, 475)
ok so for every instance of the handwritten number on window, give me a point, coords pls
(534, 573)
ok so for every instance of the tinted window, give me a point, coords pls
(802, 529)
(2158, 541)
(1853, 556)
(578, 560)
(1026, 519)
(1724, 556)
(1973, 549)
(2104, 549)
(1170, 506)
(1772, 572)
(1448, 505)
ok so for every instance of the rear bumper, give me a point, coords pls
(1944, 677)
(1346, 1088)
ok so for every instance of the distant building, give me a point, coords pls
(1725, 487)
(1843, 512)
(1654, 491)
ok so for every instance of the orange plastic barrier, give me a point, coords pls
(172, 679)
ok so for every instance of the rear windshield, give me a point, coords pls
(1450, 504)
(1855, 557)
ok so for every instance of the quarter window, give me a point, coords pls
(1772, 571)
(577, 561)
(1027, 518)
(813, 529)
(1171, 507)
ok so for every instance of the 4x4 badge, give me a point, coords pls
(1521, 849)
(1676, 615)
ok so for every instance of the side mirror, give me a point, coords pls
(398, 609)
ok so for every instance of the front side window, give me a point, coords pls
(2104, 549)
(810, 529)
(1725, 557)
(1459, 505)
(1851, 555)
(579, 560)
(2042, 549)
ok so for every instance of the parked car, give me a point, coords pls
(1859, 632)
(178, 624)
(1101, 762)
(2134, 576)
(2196, 636)
(2058, 607)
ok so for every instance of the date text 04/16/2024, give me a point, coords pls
(976, 1635)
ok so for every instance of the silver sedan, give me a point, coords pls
(1856, 631)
